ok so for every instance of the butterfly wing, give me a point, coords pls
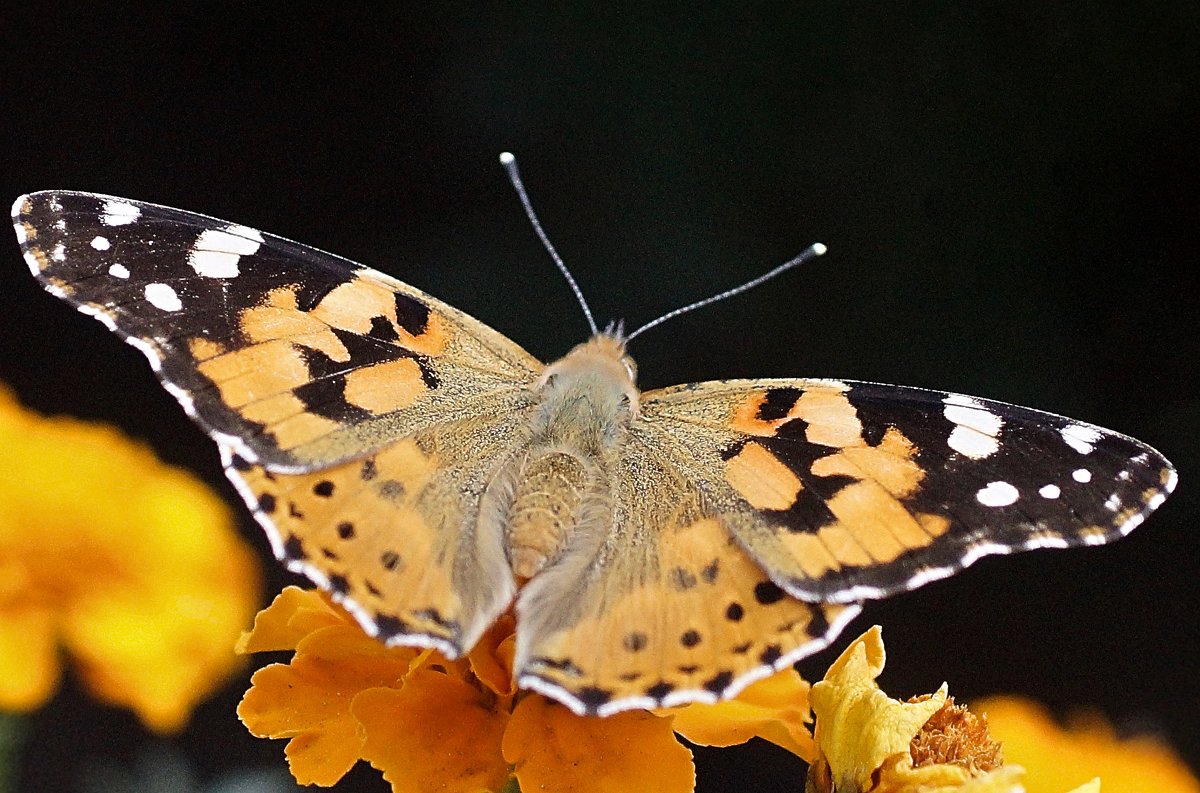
(846, 491)
(359, 417)
(660, 606)
(746, 511)
(296, 358)
(396, 536)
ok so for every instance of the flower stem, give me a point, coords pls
(12, 737)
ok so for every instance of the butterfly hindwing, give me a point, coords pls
(660, 606)
(397, 536)
(847, 491)
(295, 357)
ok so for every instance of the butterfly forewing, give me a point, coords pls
(295, 357)
(847, 491)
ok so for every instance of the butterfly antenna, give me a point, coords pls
(510, 165)
(811, 252)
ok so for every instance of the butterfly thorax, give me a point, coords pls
(560, 484)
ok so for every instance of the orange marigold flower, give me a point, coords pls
(129, 565)
(1055, 758)
(869, 743)
(430, 723)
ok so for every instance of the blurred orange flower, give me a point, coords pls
(1055, 757)
(128, 564)
(430, 723)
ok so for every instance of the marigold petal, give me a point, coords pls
(1056, 759)
(775, 709)
(1089, 787)
(492, 658)
(138, 561)
(554, 749)
(858, 727)
(29, 664)
(292, 615)
(309, 699)
(897, 775)
(436, 733)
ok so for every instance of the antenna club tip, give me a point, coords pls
(507, 158)
(818, 249)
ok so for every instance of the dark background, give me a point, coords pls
(1009, 193)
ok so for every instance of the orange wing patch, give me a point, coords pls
(761, 479)
(357, 526)
(728, 625)
(394, 535)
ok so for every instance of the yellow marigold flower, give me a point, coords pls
(869, 743)
(430, 723)
(1055, 757)
(129, 565)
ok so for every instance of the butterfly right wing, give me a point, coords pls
(750, 517)
(847, 491)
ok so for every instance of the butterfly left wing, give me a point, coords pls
(397, 536)
(295, 357)
(360, 418)
(845, 491)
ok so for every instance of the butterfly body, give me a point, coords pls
(658, 547)
(559, 484)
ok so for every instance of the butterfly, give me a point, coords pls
(659, 547)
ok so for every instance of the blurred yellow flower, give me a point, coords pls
(1055, 757)
(131, 566)
(430, 723)
(869, 743)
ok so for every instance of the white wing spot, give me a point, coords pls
(976, 430)
(119, 213)
(1135, 520)
(22, 237)
(1113, 503)
(1156, 500)
(1080, 437)
(59, 254)
(216, 252)
(997, 494)
(101, 243)
(163, 297)
(35, 266)
(1081, 475)
(1050, 491)
(60, 224)
(118, 271)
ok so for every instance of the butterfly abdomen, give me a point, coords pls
(545, 506)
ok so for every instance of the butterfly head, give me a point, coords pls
(600, 369)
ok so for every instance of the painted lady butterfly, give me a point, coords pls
(661, 547)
